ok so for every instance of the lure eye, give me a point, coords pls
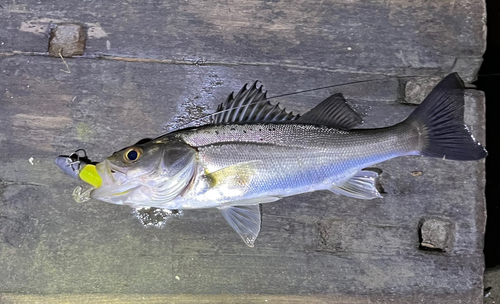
(132, 155)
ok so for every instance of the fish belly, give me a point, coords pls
(284, 171)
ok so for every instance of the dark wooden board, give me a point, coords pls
(167, 62)
(52, 245)
(375, 36)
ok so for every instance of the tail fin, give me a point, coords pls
(440, 119)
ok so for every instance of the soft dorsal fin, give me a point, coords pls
(250, 106)
(332, 112)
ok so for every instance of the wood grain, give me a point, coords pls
(377, 36)
(168, 62)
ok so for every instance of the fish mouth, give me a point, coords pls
(111, 174)
(115, 187)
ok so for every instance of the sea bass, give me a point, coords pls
(254, 152)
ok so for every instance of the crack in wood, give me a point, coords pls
(15, 183)
(201, 62)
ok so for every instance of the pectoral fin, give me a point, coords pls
(362, 185)
(245, 220)
(236, 177)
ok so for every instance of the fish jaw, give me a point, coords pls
(113, 195)
(114, 189)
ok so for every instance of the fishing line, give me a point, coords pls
(312, 90)
(356, 82)
(327, 87)
(289, 94)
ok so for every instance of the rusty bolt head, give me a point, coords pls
(436, 234)
(67, 39)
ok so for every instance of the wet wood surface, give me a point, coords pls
(166, 63)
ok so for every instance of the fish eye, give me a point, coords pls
(132, 155)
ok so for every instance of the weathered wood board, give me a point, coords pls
(318, 247)
(382, 36)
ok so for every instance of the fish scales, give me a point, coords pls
(300, 157)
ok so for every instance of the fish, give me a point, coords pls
(253, 152)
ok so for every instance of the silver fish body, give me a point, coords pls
(256, 153)
(287, 159)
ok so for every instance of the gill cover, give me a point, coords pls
(178, 167)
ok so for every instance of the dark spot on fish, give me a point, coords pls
(261, 139)
(112, 171)
(260, 130)
(216, 132)
(244, 131)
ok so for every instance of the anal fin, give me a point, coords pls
(362, 185)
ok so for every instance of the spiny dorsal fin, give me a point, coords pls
(250, 106)
(332, 112)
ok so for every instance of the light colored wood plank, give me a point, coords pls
(223, 298)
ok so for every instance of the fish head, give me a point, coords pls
(150, 174)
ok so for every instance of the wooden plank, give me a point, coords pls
(222, 298)
(376, 36)
(315, 246)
